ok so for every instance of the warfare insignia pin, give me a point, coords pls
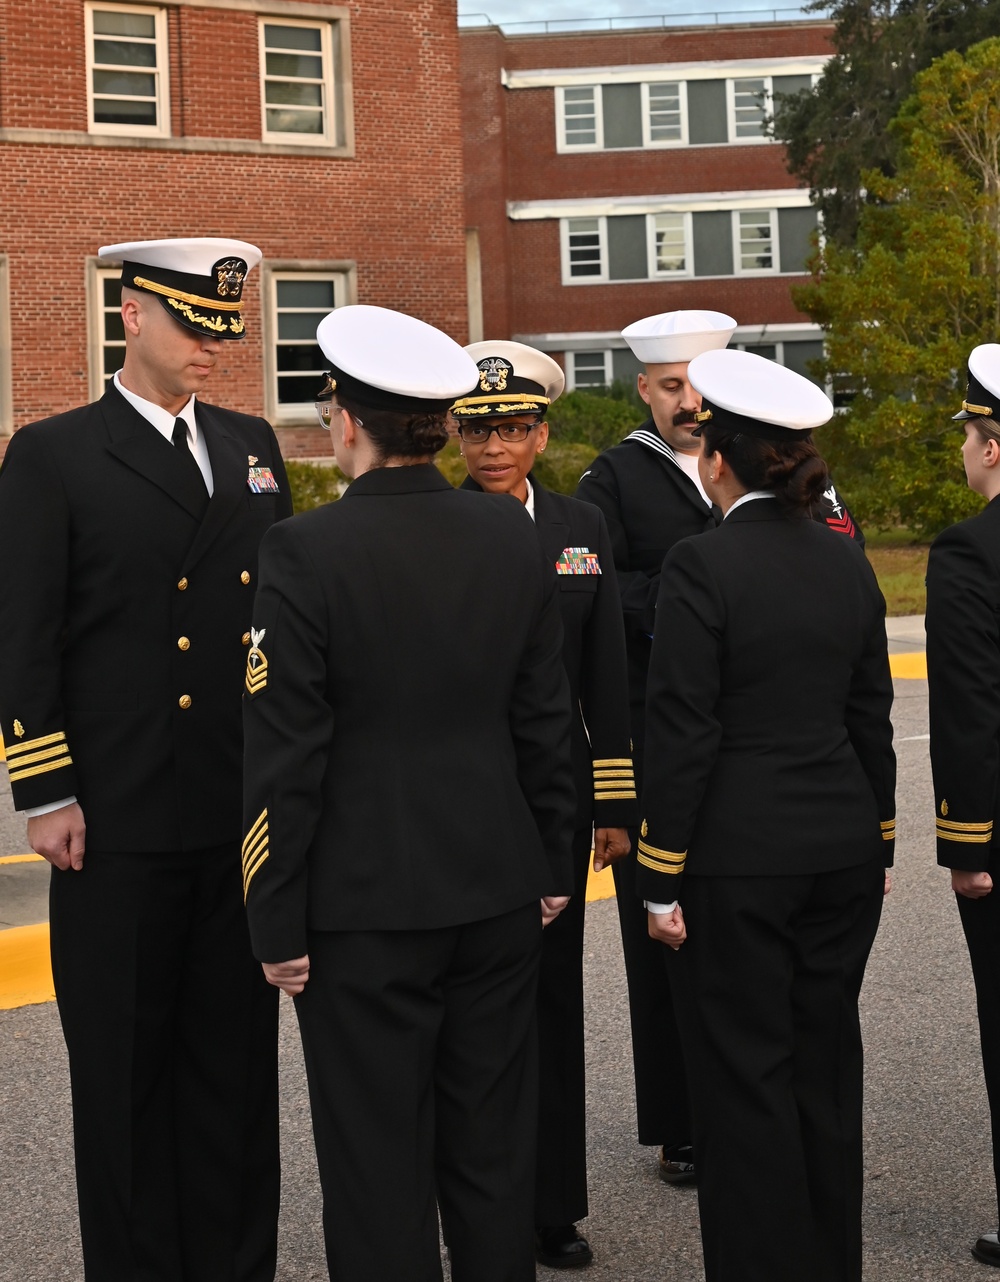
(493, 374)
(19, 729)
(251, 459)
(644, 830)
(944, 807)
(256, 678)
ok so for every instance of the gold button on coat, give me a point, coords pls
(184, 701)
(245, 576)
(183, 643)
(246, 638)
(181, 584)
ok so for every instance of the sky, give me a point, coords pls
(505, 12)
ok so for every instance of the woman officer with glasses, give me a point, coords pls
(503, 429)
(406, 843)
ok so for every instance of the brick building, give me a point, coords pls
(329, 134)
(615, 174)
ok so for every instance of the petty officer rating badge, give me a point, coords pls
(578, 561)
(256, 679)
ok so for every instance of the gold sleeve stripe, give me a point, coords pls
(31, 745)
(252, 872)
(609, 763)
(977, 838)
(888, 834)
(960, 827)
(613, 774)
(615, 796)
(659, 867)
(56, 750)
(253, 851)
(887, 823)
(660, 856)
(254, 829)
(16, 776)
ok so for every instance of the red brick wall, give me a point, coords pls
(510, 154)
(395, 208)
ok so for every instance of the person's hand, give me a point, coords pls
(971, 885)
(59, 837)
(610, 845)
(289, 976)
(668, 928)
(888, 884)
(552, 906)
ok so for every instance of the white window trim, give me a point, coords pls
(647, 139)
(768, 108)
(161, 72)
(571, 383)
(651, 269)
(97, 273)
(629, 73)
(329, 135)
(602, 232)
(562, 145)
(297, 413)
(775, 268)
(6, 363)
(676, 202)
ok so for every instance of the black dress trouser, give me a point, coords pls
(171, 1031)
(766, 988)
(420, 1051)
(981, 923)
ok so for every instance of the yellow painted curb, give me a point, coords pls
(21, 859)
(600, 885)
(909, 666)
(25, 969)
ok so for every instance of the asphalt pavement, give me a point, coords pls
(929, 1189)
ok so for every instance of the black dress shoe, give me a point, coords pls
(987, 1250)
(677, 1164)
(562, 1248)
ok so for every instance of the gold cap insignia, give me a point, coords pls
(703, 416)
(19, 729)
(944, 807)
(644, 830)
(493, 374)
(230, 273)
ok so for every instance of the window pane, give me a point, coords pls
(114, 327)
(299, 390)
(584, 247)
(749, 107)
(120, 112)
(111, 291)
(306, 293)
(767, 350)
(299, 94)
(670, 247)
(292, 37)
(135, 84)
(298, 325)
(108, 23)
(120, 53)
(296, 66)
(665, 113)
(580, 114)
(303, 358)
(294, 122)
(589, 369)
(756, 245)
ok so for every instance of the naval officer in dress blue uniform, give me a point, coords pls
(963, 673)
(409, 806)
(503, 428)
(123, 634)
(769, 814)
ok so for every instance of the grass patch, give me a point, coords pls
(901, 572)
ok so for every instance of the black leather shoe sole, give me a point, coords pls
(987, 1252)
(673, 1171)
(574, 1253)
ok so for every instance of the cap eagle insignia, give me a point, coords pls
(493, 374)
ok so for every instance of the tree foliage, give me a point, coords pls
(840, 128)
(904, 306)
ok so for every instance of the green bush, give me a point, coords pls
(597, 417)
(313, 484)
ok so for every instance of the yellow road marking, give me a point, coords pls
(25, 969)
(909, 666)
(21, 859)
(600, 885)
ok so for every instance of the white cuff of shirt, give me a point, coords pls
(659, 908)
(33, 812)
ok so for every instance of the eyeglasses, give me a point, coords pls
(325, 411)
(480, 433)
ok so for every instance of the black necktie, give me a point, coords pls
(179, 437)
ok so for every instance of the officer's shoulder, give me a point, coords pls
(236, 420)
(57, 426)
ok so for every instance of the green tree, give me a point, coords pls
(840, 128)
(905, 305)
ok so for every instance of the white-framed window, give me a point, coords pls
(588, 369)
(294, 304)
(755, 241)
(750, 102)
(664, 114)
(669, 242)
(579, 118)
(127, 81)
(297, 81)
(584, 249)
(107, 331)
